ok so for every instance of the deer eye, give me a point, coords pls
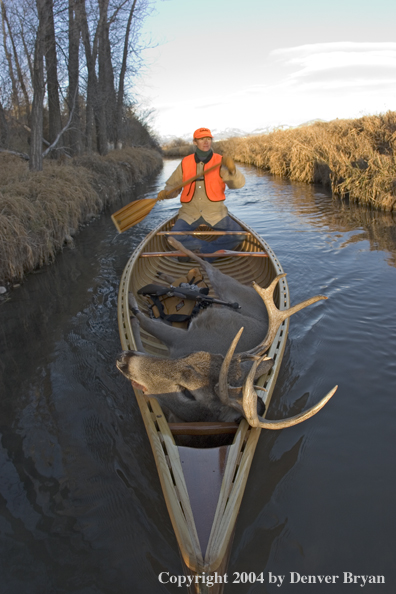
(187, 394)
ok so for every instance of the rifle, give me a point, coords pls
(184, 293)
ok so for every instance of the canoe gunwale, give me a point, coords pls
(164, 448)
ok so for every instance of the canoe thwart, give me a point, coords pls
(225, 254)
(246, 233)
(202, 428)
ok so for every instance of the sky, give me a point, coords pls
(250, 64)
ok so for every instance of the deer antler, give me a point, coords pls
(249, 403)
(275, 316)
(223, 376)
(249, 399)
(223, 387)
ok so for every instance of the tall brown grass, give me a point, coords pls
(40, 211)
(356, 158)
(178, 148)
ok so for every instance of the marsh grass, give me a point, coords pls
(39, 212)
(178, 148)
(355, 158)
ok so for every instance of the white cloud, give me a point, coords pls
(334, 46)
(307, 60)
(291, 86)
(357, 84)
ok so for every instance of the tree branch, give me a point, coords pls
(23, 155)
(53, 145)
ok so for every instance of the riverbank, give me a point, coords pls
(40, 212)
(355, 158)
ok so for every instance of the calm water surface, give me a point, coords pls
(81, 510)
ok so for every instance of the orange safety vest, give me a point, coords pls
(214, 185)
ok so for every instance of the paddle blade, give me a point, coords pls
(132, 213)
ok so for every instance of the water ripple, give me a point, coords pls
(81, 510)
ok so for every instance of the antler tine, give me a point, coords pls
(222, 387)
(275, 316)
(249, 403)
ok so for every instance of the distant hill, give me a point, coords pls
(225, 134)
(233, 133)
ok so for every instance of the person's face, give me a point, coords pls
(204, 144)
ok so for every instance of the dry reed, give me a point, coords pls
(40, 211)
(355, 158)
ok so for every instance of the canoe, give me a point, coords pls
(202, 487)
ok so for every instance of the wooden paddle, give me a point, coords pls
(136, 211)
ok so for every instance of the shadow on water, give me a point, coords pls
(81, 510)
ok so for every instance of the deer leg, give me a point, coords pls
(167, 334)
(136, 334)
(225, 287)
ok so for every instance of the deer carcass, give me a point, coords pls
(212, 367)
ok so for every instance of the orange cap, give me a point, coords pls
(202, 133)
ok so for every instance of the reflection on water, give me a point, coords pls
(314, 203)
(81, 511)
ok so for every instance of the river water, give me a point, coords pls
(81, 510)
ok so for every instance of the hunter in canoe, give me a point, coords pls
(203, 199)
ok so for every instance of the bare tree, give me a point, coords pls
(94, 82)
(94, 107)
(121, 84)
(3, 127)
(25, 46)
(51, 63)
(36, 139)
(106, 74)
(4, 21)
(73, 72)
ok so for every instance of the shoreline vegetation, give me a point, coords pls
(40, 211)
(72, 135)
(354, 158)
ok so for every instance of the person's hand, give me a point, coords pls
(162, 195)
(228, 162)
